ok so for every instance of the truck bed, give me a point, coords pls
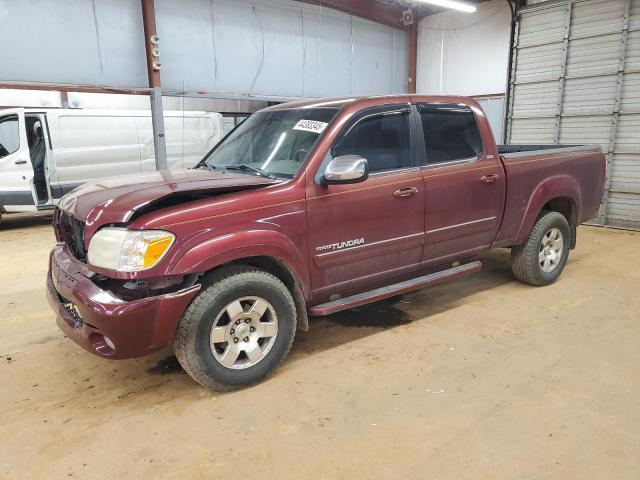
(578, 168)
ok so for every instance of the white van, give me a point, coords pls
(45, 153)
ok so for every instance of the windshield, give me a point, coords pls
(275, 143)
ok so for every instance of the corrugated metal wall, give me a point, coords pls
(262, 49)
(494, 109)
(576, 79)
(272, 48)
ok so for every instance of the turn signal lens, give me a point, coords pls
(156, 250)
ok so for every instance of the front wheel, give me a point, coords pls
(542, 257)
(237, 330)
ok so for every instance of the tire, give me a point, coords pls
(230, 297)
(540, 264)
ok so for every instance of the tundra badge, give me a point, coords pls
(340, 245)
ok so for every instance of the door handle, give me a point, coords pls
(405, 192)
(491, 178)
(20, 162)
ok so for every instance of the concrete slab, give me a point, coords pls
(478, 378)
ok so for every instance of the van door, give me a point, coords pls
(40, 156)
(181, 137)
(91, 145)
(144, 127)
(16, 171)
(216, 132)
(188, 137)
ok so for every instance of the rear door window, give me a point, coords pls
(9, 135)
(450, 133)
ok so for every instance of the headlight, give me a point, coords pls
(128, 250)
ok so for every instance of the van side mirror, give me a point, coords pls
(346, 169)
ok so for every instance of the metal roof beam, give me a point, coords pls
(379, 12)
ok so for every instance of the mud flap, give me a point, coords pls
(302, 319)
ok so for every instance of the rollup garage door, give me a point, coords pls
(576, 79)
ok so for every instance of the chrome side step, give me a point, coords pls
(395, 289)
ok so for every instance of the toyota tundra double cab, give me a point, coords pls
(308, 208)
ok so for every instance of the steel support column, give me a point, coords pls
(563, 73)
(412, 64)
(64, 99)
(512, 83)
(153, 71)
(616, 107)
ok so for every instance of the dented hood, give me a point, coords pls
(116, 199)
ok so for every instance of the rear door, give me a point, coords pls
(16, 171)
(368, 232)
(464, 181)
(40, 156)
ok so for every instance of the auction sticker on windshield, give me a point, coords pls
(310, 126)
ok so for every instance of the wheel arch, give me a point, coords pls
(267, 250)
(560, 194)
(282, 272)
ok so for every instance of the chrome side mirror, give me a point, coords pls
(346, 169)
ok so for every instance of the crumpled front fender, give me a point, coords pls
(218, 250)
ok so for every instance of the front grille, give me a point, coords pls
(71, 310)
(71, 231)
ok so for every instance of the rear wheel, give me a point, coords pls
(237, 330)
(542, 257)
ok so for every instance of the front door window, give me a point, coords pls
(9, 135)
(383, 139)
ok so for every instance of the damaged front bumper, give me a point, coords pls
(103, 323)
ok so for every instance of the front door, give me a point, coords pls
(465, 184)
(16, 171)
(370, 232)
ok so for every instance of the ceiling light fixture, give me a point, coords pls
(452, 4)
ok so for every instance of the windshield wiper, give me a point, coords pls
(203, 163)
(245, 167)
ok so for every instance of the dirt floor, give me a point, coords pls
(478, 378)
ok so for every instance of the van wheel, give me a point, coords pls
(542, 257)
(237, 330)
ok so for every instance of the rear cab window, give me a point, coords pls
(450, 133)
(9, 135)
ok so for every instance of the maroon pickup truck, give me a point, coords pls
(308, 208)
